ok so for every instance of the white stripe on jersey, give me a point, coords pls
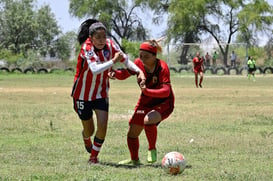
(98, 95)
(81, 97)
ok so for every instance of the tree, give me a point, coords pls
(47, 32)
(17, 25)
(65, 45)
(22, 28)
(119, 16)
(220, 19)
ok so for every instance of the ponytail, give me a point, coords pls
(83, 33)
(156, 44)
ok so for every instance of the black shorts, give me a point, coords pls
(251, 70)
(84, 109)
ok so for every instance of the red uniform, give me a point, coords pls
(160, 99)
(89, 86)
(198, 63)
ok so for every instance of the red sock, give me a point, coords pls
(196, 82)
(133, 145)
(96, 147)
(151, 134)
(201, 80)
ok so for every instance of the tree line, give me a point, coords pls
(27, 32)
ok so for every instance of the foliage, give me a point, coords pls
(269, 48)
(258, 54)
(65, 44)
(120, 16)
(213, 18)
(131, 48)
(11, 58)
(24, 28)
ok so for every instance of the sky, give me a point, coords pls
(68, 23)
(60, 10)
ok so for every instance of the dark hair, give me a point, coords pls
(84, 30)
(84, 33)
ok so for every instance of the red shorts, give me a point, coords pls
(164, 109)
(198, 70)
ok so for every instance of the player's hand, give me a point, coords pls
(118, 57)
(141, 83)
(112, 75)
(141, 79)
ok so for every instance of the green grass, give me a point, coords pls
(230, 120)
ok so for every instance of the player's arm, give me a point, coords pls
(193, 65)
(119, 74)
(98, 68)
(129, 64)
(163, 91)
(78, 68)
(134, 68)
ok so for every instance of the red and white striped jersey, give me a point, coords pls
(88, 86)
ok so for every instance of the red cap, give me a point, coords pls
(149, 48)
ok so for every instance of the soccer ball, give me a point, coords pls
(174, 163)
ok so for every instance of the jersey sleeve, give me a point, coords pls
(91, 58)
(122, 74)
(78, 68)
(163, 91)
(116, 48)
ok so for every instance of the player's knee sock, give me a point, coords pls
(96, 147)
(201, 80)
(196, 82)
(133, 145)
(151, 134)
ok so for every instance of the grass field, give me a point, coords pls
(230, 121)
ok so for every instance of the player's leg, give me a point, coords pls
(102, 119)
(253, 76)
(84, 111)
(151, 120)
(101, 107)
(196, 79)
(133, 140)
(201, 79)
(88, 130)
(133, 144)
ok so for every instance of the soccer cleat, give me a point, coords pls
(87, 143)
(93, 160)
(152, 156)
(200, 85)
(129, 162)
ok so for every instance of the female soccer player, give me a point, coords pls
(155, 104)
(91, 82)
(251, 63)
(198, 68)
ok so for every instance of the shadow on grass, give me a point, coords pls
(135, 166)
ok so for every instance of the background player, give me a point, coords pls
(198, 68)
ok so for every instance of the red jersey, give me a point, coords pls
(161, 75)
(88, 86)
(198, 63)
